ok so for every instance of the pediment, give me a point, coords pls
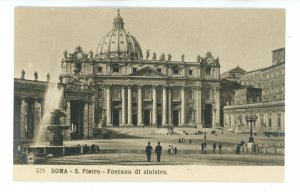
(147, 72)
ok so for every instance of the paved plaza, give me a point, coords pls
(128, 148)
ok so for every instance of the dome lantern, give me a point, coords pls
(118, 21)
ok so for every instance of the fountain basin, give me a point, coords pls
(55, 151)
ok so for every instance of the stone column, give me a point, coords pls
(170, 106)
(37, 118)
(23, 116)
(68, 119)
(274, 121)
(129, 106)
(17, 117)
(214, 118)
(182, 113)
(164, 107)
(30, 119)
(123, 120)
(199, 107)
(217, 100)
(140, 107)
(154, 105)
(282, 122)
(108, 106)
(86, 120)
(91, 117)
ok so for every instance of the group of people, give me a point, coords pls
(214, 145)
(157, 150)
(182, 140)
(172, 150)
(240, 147)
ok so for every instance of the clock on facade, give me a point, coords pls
(79, 55)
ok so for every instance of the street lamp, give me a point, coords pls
(251, 118)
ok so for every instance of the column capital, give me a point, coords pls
(183, 87)
(140, 85)
(154, 86)
(199, 87)
(218, 88)
(107, 85)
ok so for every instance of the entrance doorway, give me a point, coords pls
(175, 117)
(158, 118)
(76, 110)
(116, 117)
(134, 120)
(208, 116)
(147, 117)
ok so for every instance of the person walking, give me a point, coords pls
(175, 150)
(172, 150)
(202, 147)
(214, 147)
(158, 150)
(220, 148)
(148, 151)
(205, 147)
(190, 141)
(238, 149)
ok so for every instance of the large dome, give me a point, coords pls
(119, 43)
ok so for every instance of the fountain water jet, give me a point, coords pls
(52, 102)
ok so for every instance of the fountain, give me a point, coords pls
(56, 147)
(56, 137)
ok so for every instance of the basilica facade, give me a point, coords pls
(134, 90)
(119, 86)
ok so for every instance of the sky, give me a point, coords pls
(239, 37)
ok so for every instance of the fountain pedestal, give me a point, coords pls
(56, 137)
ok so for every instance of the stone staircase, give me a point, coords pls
(134, 131)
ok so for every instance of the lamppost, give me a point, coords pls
(251, 118)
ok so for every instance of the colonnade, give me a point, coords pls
(166, 106)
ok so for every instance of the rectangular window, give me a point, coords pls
(270, 122)
(116, 69)
(278, 120)
(175, 71)
(147, 94)
(191, 94)
(176, 94)
(134, 69)
(99, 69)
(159, 70)
(100, 93)
(208, 71)
(190, 72)
(116, 93)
